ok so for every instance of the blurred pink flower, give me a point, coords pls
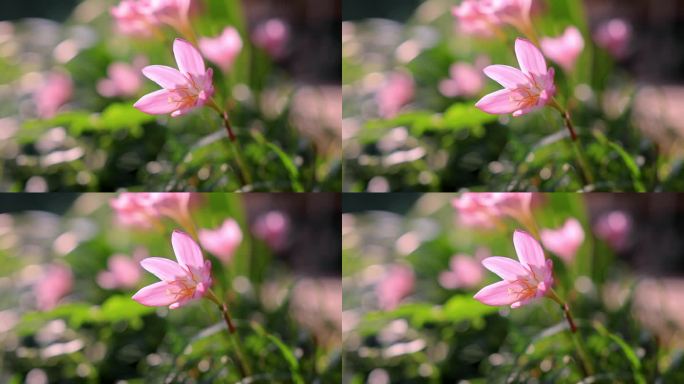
(56, 283)
(132, 210)
(397, 91)
(123, 271)
(564, 241)
(222, 241)
(517, 205)
(174, 205)
(473, 19)
(614, 36)
(465, 79)
(614, 228)
(132, 18)
(181, 282)
(464, 272)
(124, 79)
(513, 12)
(525, 90)
(183, 90)
(395, 286)
(222, 50)
(273, 228)
(272, 36)
(175, 13)
(565, 49)
(522, 281)
(55, 92)
(474, 211)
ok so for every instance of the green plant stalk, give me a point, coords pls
(577, 146)
(245, 175)
(234, 337)
(587, 367)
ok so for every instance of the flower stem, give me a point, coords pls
(245, 175)
(244, 367)
(587, 367)
(576, 144)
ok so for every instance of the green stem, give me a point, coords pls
(244, 367)
(587, 367)
(577, 145)
(245, 175)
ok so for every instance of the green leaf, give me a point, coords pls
(627, 350)
(289, 165)
(285, 351)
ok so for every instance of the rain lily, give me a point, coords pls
(614, 36)
(56, 91)
(398, 91)
(513, 12)
(184, 89)
(473, 19)
(564, 241)
(133, 19)
(223, 49)
(181, 282)
(222, 241)
(614, 228)
(175, 205)
(517, 205)
(523, 281)
(53, 286)
(474, 211)
(172, 12)
(273, 228)
(465, 80)
(464, 272)
(132, 210)
(395, 286)
(124, 79)
(122, 272)
(272, 36)
(565, 49)
(525, 90)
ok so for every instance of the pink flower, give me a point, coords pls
(132, 210)
(466, 80)
(398, 91)
(522, 281)
(474, 211)
(272, 36)
(614, 228)
(464, 272)
(184, 89)
(565, 49)
(615, 37)
(132, 18)
(175, 13)
(55, 92)
(123, 272)
(564, 241)
(124, 79)
(273, 228)
(55, 284)
(513, 12)
(517, 205)
(222, 241)
(395, 286)
(525, 90)
(474, 19)
(175, 205)
(222, 50)
(181, 282)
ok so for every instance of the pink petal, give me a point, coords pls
(164, 269)
(529, 251)
(155, 295)
(507, 269)
(496, 294)
(156, 103)
(498, 103)
(530, 57)
(508, 77)
(166, 77)
(188, 58)
(186, 250)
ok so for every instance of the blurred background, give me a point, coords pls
(69, 266)
(411, 266)
(433, 140)
(98, 142)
